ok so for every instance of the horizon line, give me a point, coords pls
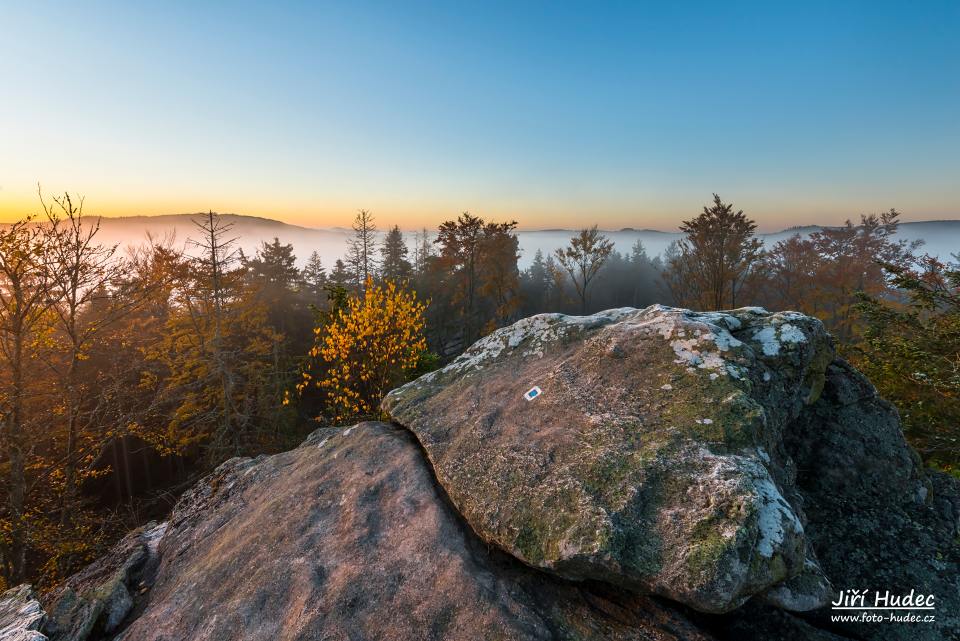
(521, 230)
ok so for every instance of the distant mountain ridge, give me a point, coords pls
(174, 218)
(941, 237)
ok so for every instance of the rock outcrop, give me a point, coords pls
(653, 457)
(710, 458)
(348, 537)
(877, 520)
(21, 615)
(673, 476)
(96, 601)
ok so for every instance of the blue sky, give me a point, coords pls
(553, 114)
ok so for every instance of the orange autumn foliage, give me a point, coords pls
(369, 347)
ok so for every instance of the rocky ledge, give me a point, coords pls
(636, 474)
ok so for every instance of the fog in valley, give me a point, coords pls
(941, 238)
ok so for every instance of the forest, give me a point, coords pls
(128, 373)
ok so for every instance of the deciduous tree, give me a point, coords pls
(368, 348)
(25, 302)
(823, 275)
(713, 260)
(82, 275)
(911, 352)
(582, 260)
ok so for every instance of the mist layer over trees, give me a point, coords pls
(125, 375)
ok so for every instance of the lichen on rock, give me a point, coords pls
(646, 460)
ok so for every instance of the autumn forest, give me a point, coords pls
(128, 373)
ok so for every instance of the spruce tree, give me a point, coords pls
(394, 265)
(313, 277)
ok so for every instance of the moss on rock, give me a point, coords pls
(641, 461)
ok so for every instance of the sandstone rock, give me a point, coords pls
(348, 537)
(877, 520)
(96, 600)
(21, 615)
(653, 459)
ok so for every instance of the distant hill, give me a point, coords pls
(250, 232)
(941, 237)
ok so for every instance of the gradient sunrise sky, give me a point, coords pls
(554, 114)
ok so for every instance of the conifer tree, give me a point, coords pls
(394, 265)
(536, 283)
(274, 265)
(274, 278)
(314, 277)
(341, 277)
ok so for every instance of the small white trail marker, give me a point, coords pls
(533, 393)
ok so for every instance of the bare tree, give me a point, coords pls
(85, 279)
(218, 254)
(583, 258)
(422, 251)
(361, 250)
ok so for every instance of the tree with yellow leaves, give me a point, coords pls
(366, 349)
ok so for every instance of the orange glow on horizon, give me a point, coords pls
(531, 214)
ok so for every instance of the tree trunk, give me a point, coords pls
(16, 493)
(70, 467)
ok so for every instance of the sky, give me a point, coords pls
(553, 114)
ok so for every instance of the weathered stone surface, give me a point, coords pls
(348, 537)
(653, 459)
(96, 600)
(877, 520)
(21, 615)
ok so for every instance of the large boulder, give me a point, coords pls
(348, 537)
(652, 457)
